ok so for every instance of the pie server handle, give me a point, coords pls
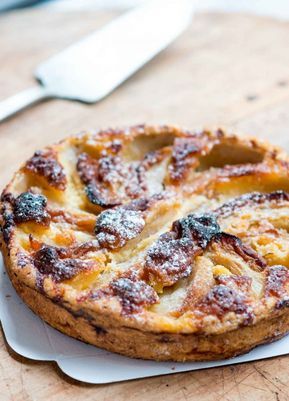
(21, 100)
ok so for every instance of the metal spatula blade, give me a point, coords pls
(95, 66)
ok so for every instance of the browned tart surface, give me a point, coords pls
(154, 242)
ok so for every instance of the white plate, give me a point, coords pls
(30, 337)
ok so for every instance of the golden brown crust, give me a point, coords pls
(153, 242)
(148, 345)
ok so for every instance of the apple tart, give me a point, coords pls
(154, 242)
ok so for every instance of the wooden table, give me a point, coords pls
(228, 70)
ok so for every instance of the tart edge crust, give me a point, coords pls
(148, 345)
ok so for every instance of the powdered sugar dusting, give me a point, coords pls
(133, 295)
(222, 299)
(277, 277)
(31, 207)
(115, 227)
(171, 257)
(253, 198)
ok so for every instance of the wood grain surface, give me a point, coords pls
(225, 70)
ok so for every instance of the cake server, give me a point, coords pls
(93, 67)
